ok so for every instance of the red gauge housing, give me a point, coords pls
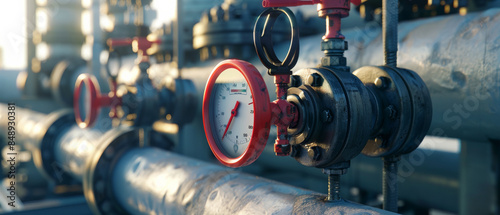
(262, 113)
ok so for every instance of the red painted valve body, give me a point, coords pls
(97, 100)
(284, 115)
(140, 45)
(332, 10)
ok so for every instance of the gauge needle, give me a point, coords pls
(233, 113)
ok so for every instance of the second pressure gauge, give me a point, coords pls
(236, 113)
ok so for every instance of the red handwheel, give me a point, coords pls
(236, 113)
(93, 101)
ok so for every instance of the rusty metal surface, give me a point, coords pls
(152, 181)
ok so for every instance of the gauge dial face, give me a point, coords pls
(236, 113)
(233, 112)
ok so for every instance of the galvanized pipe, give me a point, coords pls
(390, 184)
(28, 125)
(74, 148)
(390, 31)
(152, 181)
(390, 43)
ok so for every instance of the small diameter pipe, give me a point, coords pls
(390, 43)
(333, 187)
(390, 31)
(390, 183)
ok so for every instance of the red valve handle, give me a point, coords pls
(332, 10)
(95, 100)
(138, 43)
(288, 3)
(291, 3)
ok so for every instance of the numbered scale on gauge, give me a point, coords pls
(236, 113)
(233, 124)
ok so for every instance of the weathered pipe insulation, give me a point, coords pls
(153, 181)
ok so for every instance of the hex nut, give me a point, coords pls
(333, 61)
(335, 171)
(295, 81)
(315, 80)
(337, 44)
(314, 153)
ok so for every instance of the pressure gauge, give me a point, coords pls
(236, 113)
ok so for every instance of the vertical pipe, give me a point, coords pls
(178, 38)
(496, 168)
(476, 178)
(390, 43)
(333, 187)
(390, 183)
(390, 31)
(97, 36)
(31, 85)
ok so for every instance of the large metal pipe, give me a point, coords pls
(74, 148)
(152, 181)
(428, 178)
(457, 60)
(54, 140)
(8, 80)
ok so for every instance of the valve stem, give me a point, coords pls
(390, 31)
(334, 172)
(333, 187)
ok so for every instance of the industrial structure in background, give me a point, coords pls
(114, 116)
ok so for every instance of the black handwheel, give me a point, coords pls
(262, 37)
